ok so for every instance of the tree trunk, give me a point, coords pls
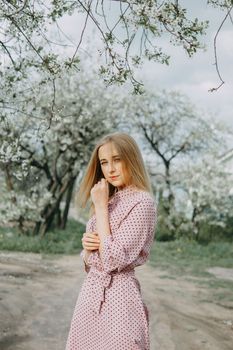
(50, 212)
(9, 183)
(20, 224)
(67, 204)
(171, 197)
(195, 223)
(50, 217)
(36, 229)
(58, 221)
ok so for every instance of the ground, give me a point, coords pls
(38, 295)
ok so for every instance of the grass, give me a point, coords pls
(189, 257)
(190, 260)
(54, 242)
(180, 256)
(177, 258)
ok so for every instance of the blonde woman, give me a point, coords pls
(110, 313)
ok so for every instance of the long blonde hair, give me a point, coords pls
(133, 164)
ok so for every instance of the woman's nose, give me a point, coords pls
(111, 167)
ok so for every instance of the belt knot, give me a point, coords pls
(99, 281)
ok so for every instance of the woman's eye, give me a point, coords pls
(115, 160)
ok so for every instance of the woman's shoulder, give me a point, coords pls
(143, 195)
(141, 204)
(146, 200)
(135, 195)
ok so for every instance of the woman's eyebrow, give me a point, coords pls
(112, 157)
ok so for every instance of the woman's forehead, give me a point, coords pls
(108, 149)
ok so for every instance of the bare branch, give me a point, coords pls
(19, 9)
(25, 36)
(53, 103)
(8, 52)
(231, 18)
(83, 30)
(215, 51)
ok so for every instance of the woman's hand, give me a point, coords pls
(90, 241)
(100, 193)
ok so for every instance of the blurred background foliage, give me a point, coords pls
(55, 106)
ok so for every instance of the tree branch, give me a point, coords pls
(19, 9)
(83, 30)
(8, 52)
(215, 51)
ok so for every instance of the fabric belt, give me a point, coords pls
(99, 281)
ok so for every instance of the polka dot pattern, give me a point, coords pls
(110, 313)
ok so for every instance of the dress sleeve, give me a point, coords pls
(135, 232)
(86, 265)
(90, 258)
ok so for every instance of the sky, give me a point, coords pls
(191, 76)
(195, 76)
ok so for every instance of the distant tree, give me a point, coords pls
(173, 131)
(174, 136)
(208, 195)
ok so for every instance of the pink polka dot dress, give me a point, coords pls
(110, 313)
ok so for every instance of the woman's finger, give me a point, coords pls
(88, 247)
(88, 242)
(91, 245)
(91, 239)
(91, 248)
(90, 234)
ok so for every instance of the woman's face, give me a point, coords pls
(112, 165)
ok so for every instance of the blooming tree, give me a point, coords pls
(51, 113)
(174, 136)
(208, 197)
(42, 161)
(26, 42)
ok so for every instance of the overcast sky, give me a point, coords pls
(192, 76)
(195, 76)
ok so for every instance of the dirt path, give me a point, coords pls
(37, 298)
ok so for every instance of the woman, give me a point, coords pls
(110, 313)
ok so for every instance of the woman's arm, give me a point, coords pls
(86, 256)
(102, 224)
(134, 236)
(99, 196)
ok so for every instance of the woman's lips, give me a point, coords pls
(114, 177)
